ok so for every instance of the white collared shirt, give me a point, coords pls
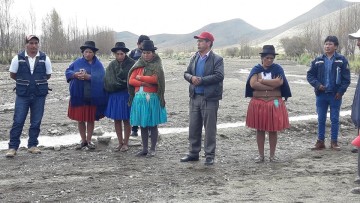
(14, 66)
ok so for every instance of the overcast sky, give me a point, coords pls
(165, 16)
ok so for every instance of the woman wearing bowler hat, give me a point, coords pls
(116, 85)
(267, 85)
(146, 89)
(88, 99)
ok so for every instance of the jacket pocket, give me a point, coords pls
(22, 87)
(41, 87)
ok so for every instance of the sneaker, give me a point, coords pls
(334, 146)
(34, 150)
(259, 159)
(91, 145)
(10, 153)
(134, 134)
(81, 145)
(319, 145)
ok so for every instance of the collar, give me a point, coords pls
(37, 54)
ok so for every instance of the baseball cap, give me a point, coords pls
(205, 35)
(29, 37)
(355, 35)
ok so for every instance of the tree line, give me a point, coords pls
(58, 41)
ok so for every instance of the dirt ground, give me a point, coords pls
(102, 175)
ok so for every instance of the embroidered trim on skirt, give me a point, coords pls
(268, 115)
(84, 113)
(146, 110)
(118, 108)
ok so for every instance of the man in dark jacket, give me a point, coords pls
(329, 74)
(30, 69)
(136, 54)
(205, 75)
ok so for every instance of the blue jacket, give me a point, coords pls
(212, 79)
(27, 83)
(339, 69)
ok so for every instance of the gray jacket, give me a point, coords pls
(212, 79)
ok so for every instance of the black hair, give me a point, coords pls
(333, 39)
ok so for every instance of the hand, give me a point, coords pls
(195, 80)
(322, 88)
(138, 77)
(338, 96)
(79, 75)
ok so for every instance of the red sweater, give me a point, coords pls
(151, 79)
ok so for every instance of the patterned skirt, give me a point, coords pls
(146, 110)
(268, 115)
(118, 108)
(85, 113)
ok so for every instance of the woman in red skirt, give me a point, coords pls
(88, 99)
(267, 111)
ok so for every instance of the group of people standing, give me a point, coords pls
(131, 92)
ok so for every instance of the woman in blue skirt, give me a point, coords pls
(146, 88)
(115, 84)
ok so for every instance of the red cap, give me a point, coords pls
(205, 35)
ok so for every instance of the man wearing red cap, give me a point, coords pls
(205, 74)
(30, 69)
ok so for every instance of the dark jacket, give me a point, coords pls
(135, 54)
(27, 83)
(212, 79)
(116, 76)
(340, 67)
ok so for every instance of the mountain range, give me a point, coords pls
(232, 33)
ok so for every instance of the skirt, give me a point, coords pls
(146, 110)
(268, 115)
(118, 108)
(85, 113)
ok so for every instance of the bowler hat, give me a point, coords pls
(205, 35)
(142, 38)
(120, 46)
(355, 35)
(148, 45)
(268, 49)
(89, 45)
(29, 37)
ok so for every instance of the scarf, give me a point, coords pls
(116, 74)
(150, 68)
(276, 70)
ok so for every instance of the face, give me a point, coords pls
(88, 54)
(119, 55)
(329, 48)
(268, 60)
(147, 55)
(32, 46)
(203, 45)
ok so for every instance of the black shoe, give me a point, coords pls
(354, 150)
(209, 161)
(188, 158)
(141, 153)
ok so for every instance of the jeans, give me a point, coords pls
(36, 105)
(323, 101)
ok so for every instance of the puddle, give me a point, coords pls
(70, 139)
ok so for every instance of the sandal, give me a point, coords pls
(124, 148)
(259, 159)
(118, 148)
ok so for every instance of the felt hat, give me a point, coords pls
(142, 38)
(89, 45)
(120, 46)
(148, 45)
(205, 35)
(268, 49)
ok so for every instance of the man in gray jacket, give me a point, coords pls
(205, 75)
